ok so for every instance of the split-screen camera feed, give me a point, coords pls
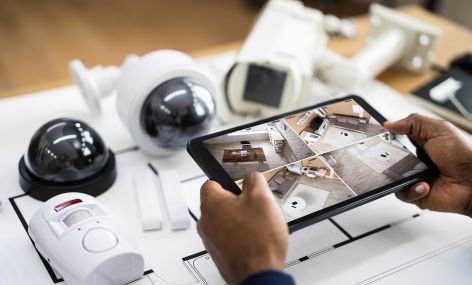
(318, 158)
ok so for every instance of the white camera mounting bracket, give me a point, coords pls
(393, 39)
(99, 81)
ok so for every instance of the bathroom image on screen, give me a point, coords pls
(258, 148)
(373, 163)
(333, 126)
(305, 187)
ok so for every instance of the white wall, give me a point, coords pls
(299, 150)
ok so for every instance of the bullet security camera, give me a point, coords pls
(274, 68)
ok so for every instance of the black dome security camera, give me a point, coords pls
(66, 155)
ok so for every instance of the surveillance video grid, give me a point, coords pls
(318, 158)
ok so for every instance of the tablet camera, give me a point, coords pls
(177, 111)
(66, 155)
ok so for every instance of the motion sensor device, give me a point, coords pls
(274, 68)
(66, 155)
(77, 236)
(163, 98)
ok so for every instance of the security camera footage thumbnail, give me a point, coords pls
(318, 158)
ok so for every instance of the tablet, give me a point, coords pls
(318, 161)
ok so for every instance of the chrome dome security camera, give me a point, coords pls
(163, 98)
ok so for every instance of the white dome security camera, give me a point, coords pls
(163, 98)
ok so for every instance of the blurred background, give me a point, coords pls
(38, 38)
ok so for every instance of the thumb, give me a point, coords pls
(419, 128)
(211, 193)
(255, 184)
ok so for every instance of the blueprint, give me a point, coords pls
(383, 242)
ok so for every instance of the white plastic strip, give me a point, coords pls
(148, 201)
(177, 210)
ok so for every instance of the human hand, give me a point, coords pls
(245, 233)
(451, 152)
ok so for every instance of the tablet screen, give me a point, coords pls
(317, 158)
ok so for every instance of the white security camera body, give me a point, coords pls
(287, 42)
(142, 78)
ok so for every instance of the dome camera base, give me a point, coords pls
(44, 190)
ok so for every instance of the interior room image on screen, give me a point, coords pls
(318, 158)
(306, 186)
(373, 163)
(334, 126)
(259, 148)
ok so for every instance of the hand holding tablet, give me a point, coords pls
(451, 153)
(451, 192)
(352, 160)
(264, 250)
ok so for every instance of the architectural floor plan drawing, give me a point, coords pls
(368, 252)
(383, 242)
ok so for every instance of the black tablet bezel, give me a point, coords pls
(215, 171)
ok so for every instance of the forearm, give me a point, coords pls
(269, 278)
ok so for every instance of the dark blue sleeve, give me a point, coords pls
(269, 278)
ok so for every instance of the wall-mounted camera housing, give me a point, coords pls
(274, 68)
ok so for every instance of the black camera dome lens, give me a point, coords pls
(66, 150)
(176, 111)
(66, 155)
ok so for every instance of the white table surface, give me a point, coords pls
(432, 248)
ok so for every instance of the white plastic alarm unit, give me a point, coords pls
(274, 68)
(81, 241)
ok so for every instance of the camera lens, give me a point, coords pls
(176, 111)
(66, 155)
(66, 150)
